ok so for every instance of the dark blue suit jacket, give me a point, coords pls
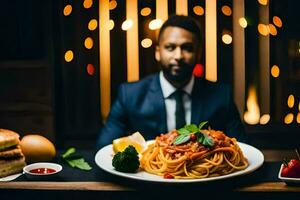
(140, 106)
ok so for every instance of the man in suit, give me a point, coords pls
(173, 97)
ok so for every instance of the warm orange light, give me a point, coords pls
(243, 22)
(252, 115)
(277, 21)
(146, 43)
(264, 119)
(298, 118)
(146, 11)
(272, 29)
(198, 10)
(69, 56)
(88, 43)
(111, 24)
(67, 10)
(90, 69)
(87, 3)
(275, 71)
(92, 24)
(127, 24)
(263, 29)
(263, 2)
(155, 24)
(291, 101)
(226, 10)
(299, 106)
(226, 38)
(289, 118)
(112, 4)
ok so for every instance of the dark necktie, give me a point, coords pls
(179, 112)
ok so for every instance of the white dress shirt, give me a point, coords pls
(168, 89)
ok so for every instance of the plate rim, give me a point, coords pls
(159, 179)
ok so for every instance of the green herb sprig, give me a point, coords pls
(188, 130)
(75, 161)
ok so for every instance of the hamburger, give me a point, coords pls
(12, 159)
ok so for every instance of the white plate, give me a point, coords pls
(287, 179)
(104, 157)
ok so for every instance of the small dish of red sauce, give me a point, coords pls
(42, 169)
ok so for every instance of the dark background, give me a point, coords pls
(43, 94)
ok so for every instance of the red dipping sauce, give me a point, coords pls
(43, 171)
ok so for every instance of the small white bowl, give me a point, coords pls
(288, 180)
(27, 169)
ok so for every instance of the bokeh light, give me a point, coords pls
(277, 21)
(243, 22)
(226, 10)
(67, 10)
(155, 24)
(88, 43)
(127, 24)
(275, 71)
(92, 24)
(69, 56)
(146, 11)
(291, 101)
(146, 43)
(87, 3)
(289, 118)
(198, 10)
(226, 38)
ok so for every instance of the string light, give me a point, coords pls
(226, 38)
(69, 56)
(112, 4)
(289, 118)
(275, 71)
(155, 24)
(127, 24)
(67, 10)
(277, 21)
(226, 10)
(263, 29)
(291, 101)
(146, 43)
(92, 24)
(263, 2)
(88, 43)
(146, 11)
(87, 4)
(243, 22)
(198, 10)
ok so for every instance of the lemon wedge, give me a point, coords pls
(136, 140)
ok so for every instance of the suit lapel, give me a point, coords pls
(158, 104)
(198, 101)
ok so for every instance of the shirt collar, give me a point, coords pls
(168, 88)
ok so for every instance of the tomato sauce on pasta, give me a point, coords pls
(193, 160)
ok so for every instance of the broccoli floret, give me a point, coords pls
(126, 161)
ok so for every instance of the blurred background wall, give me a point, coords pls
(61, 62)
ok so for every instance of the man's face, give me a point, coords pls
(177, 52)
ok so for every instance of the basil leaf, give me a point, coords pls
(202, 124)
(69, 152)
(181, 139)
(191, 128)
(79, 163)
(200, 138)
(208, 141)
(183, 131)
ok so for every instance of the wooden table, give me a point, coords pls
(276, 188)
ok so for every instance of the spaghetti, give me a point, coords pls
(192, 159)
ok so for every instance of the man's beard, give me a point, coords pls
(182, 77)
